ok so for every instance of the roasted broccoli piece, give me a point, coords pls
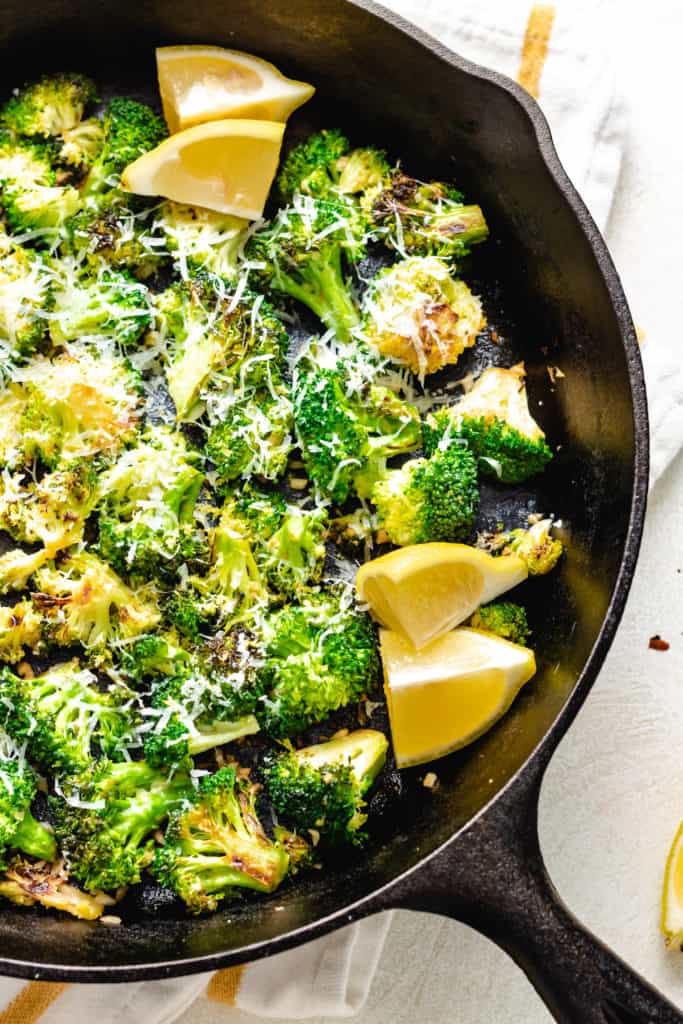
(200, 239)
(24, 161)
(83, 601)
(536, 546)
(323, 787)
(347, 437)
(50, 106)
(303, 253)
(325, 164)
(251, 436)
(21, 629)
(19, 830)
(104, 819)
(51, 510)
(39, 208)
(26, 883)
(417, 314)
(118, 229)
(70, 407)
(62, 717)
(130, 129)
(435, 499)
(147, 501)
(26, 296)
(17, 566)
(215, 845)
(111, 305)
(503, 618)
(320, 655)
(493, 419)
(81, 145)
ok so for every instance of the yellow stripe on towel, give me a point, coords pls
(223, 987)
(535, 47)
(29, 1005)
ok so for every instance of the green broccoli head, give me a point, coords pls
(320, 655)
(81, 145)
(435, 499)
(505, 619)
(426, 219)
(104, 820)
(39, 208)
(62, 718)
(26, 295)
(52, 105)
(51, 510)
(130, 129)
(21, 629)
(493, 419)
(19, 830)
(303, 254)
(25, 161)
(202, 240)
(417, 314)
(346, 436)
(250, 436)
(215, 845)
(312, 166)
(118, 230)
(323, 787)
(110, 305)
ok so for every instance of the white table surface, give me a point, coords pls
(604, 837)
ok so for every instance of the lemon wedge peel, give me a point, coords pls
(447, 695)
(672, 894)
(227, 166)
(209, 83)
(425, 590)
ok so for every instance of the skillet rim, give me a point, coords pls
(381, 898)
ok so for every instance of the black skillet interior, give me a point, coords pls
(547, 303)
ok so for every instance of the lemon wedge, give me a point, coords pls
(209, 83)
(226, 166)
(423, 590)
(672, 894)
(448, 694)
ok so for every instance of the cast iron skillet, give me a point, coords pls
(470, 848)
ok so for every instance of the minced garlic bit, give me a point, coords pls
(298, 483)
(431, 780)
(111, 920)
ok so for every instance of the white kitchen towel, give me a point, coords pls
(562, 59)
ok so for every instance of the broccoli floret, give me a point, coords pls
(111, 305)
(39, 207)
(323, 787)
(130, 129)
(354, 533)
(301, 853)
(50, 106)
(417, 314)
(503, 618)
(19, 830)
(118, 230)
(21, 629)
(536, 546)
(70, 407)
(106, 815)
(17, 567)
(426, 219)
(51, 510)
(251, 436)
(324, 164)
(84, 601)
(493, 419)
(24, 161)
(215, 846)
(320, 655)
(435, 499)
(346, 437)
(200, 239)
(81, 145)
(62, 717)
(26, 295)
(303, 252)
(26, 884)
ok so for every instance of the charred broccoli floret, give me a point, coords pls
(320, 655)
(505, 619)
(111, 305)
(27, 884)
(119, 229)
(104, 819)
(52, 105)
(19, 830)
(200, 239)
(347, 437)
(435, 499)
(21, 629)
(493, 419)
(24, 161)
(62, 718)
(536, 546)
(323, 787)
(130, 129)
(215, 845)
(303, 253)
(51, 510)
(417, 314)
(81, 145)
(41, 208)
(26, 295)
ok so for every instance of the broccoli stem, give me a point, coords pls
(33, 838)
(326, 294)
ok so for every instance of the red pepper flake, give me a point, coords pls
(657, 644)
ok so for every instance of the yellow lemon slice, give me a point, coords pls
(423, 590)
(448, 694)
(208, 83)
(226, 166)
(672, 894)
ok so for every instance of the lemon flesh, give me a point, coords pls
(424, 590)
(672, 894)
(208, 83)
(226, 166)
(448, 694)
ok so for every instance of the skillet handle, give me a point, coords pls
(493, 878)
